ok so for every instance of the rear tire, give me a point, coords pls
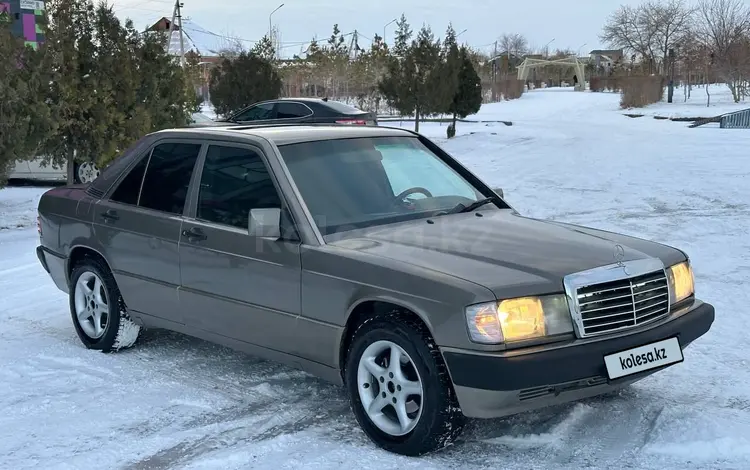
(98, 312)
(412, 407)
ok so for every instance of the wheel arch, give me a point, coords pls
(369, 307)
(80, 252)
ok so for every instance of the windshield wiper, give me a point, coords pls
(460, 208)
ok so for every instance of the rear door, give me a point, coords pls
(139, 226)
(234, 285)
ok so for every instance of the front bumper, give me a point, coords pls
(499, 384)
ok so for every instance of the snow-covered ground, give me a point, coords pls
(695, 106)
(176, 402)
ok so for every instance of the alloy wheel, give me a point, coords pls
(91, 305)
(390, 388)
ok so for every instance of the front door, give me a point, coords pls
(139, 228)
(235, 285)
(263, 113)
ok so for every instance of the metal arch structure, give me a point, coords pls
(572, 61)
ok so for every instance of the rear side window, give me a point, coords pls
(234, 181)
(167, 181)
(342, 108)
(285, 110)
(130, 187)
(109, 174)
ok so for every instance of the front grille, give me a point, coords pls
(624, 303)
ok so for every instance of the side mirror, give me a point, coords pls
(265, 223)
(499, 192)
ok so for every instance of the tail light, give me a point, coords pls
(352, 122)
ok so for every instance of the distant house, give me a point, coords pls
(26, 19)
(198, 40)
(206, 44)
(505, 59)
(606, 58)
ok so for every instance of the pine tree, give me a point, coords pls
(111, 84)
(467, 99)
(164, 90)
(236, 84)
(336, 59)
(411, 83)
(25, 120)
(73, 94)
(264, 48)
(448, 71)
(425, 53)
(398, 84)
(402, 38)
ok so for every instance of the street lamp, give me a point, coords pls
(462, 32)
(546, 50)
(270, 28)
(578, 54)
(388, 24)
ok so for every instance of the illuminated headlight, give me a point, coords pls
(681, 282)
(518, 319)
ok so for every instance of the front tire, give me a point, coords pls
(97, 309)
(399, 387)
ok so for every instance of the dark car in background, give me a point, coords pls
(301, 111)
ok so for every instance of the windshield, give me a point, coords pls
(355, 183)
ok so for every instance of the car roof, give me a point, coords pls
(306, 99)
(293, 133)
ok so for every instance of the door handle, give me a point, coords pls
(110, 216)
(194, 234)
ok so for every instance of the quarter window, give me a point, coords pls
(130, 187)
(234, 181)
(167, 180)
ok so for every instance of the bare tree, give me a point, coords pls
(648, 30)
(630, 29)
(671, 20)
(725, 26)
(514, 43)
(230, 45)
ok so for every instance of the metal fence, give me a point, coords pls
(736, 120)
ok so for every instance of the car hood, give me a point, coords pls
(501, 250)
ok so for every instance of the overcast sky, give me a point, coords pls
(571, 24)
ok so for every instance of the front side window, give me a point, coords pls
(256, 113)
(167, 181)
(352, 183)
(234, 181)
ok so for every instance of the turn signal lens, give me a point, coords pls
(681, 281)
(521, 318)
(484, 326)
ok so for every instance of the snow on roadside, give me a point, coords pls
(18, 207)
(695, 106)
